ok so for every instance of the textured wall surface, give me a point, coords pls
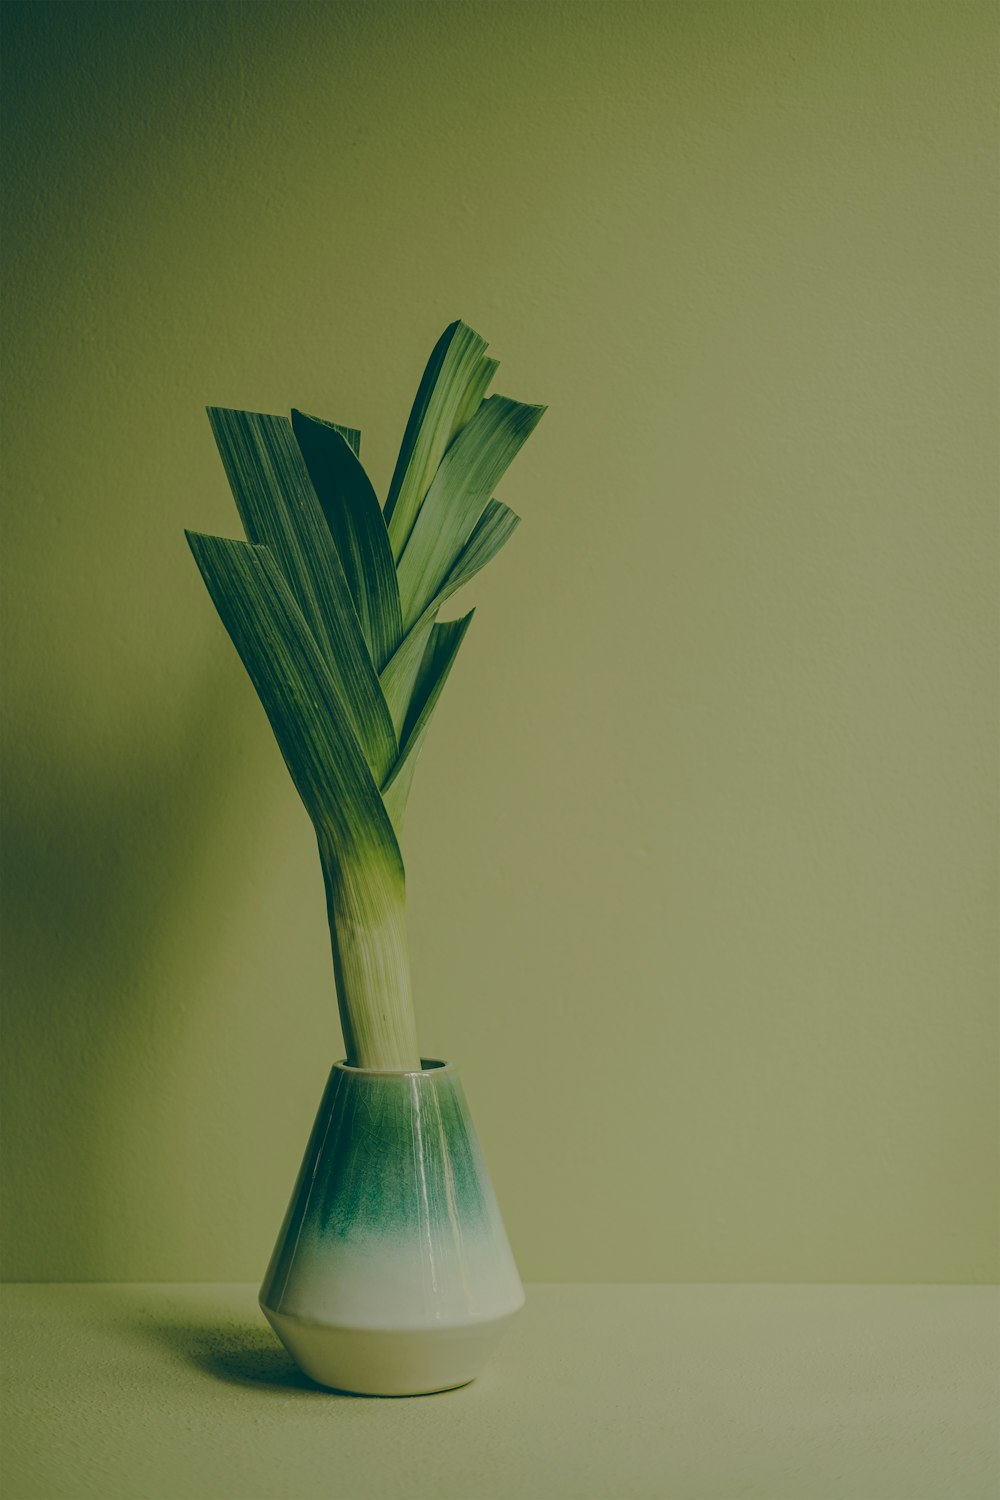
(702, 849)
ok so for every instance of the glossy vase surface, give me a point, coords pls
(392, 1274)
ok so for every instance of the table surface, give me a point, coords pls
(181, 1392)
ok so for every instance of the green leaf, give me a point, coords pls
(455, 379)
(495, 527)
(457, 497)
(300, 698)
(351, 436)
(400, 672)
(279, 509)
(435, 664)
(355, 519)
(478, 386)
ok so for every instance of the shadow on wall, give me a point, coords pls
(101, 940)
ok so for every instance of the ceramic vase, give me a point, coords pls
(392, 1274)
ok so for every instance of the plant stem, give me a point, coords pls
(366, 906)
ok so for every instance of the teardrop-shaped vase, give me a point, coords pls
(392, 1274)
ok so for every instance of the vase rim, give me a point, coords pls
(429, 1065)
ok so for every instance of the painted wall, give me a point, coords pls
(702, 850)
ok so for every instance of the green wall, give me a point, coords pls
(702, 850)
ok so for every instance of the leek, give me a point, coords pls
(332, 603)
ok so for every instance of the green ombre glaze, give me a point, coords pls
(393, 1217)
(395, 1152)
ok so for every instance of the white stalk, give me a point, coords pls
(371, 963)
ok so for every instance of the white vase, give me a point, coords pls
(392, 1274)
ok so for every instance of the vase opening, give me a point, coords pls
(427, 1065)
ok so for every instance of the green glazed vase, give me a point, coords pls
(392, 1274)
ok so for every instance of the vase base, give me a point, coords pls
(386, 1361)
